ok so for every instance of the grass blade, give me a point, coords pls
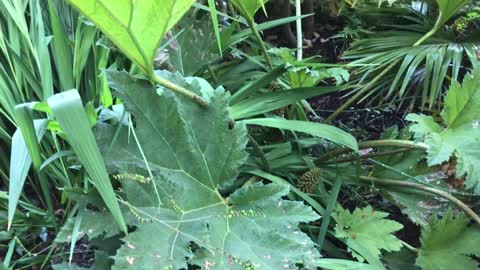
(62, 52)
(332, 202)
(266, 102)
(20, 162)
(213, 14)
(69, 112)
(23, 115)
(327, 132)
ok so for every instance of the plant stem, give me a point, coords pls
(182, 91)
(435, 191)
(298, 8)
(370, 155)
(372, 144)
(259, 39)
(426, 36)
(408, 246)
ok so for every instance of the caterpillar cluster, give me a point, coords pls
(175, 206)
(246, 265)
(308, 181)
(134, 177)
(244, 213)
(138, 217)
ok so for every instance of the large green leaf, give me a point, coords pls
(70, 114)
(136, 27)
(461, 135)
(462, 102)
(367, 232)
(191, 154)
(449, 243)
(328, 132)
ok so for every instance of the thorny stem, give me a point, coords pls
(371, 144)
(260, 41)
(432, 190)
(176, 88)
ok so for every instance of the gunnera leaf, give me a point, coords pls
(192, 154)
(366, 232)
(449, 243)
(460, 135)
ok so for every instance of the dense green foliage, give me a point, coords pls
(172, 135)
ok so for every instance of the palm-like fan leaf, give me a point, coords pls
(421, 70)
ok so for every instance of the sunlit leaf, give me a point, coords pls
(136, 27)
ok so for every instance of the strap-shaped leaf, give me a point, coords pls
(191, 154)
(70, 114)
(328, 132)
(136, 27)
(21, 160)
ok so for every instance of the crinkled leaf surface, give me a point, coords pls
(461, 134)
(128, 24)
(192, 154)
(449, 243)
(367, 232)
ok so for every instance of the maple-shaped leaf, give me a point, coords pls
(191, 154)
(460, 135)
(366, 232)
(449, 243)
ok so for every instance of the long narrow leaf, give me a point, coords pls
(327, 132)
(20, 162)
(69, 112)
(267, 102)
(62, 52)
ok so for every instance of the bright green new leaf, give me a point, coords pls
(461, 134)
(462, 102)
(70, 114)
(449, 243)
(366, 232)
(136, 27)
(426, 125)
(328, 132)
(189, 154)
(248, 8)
